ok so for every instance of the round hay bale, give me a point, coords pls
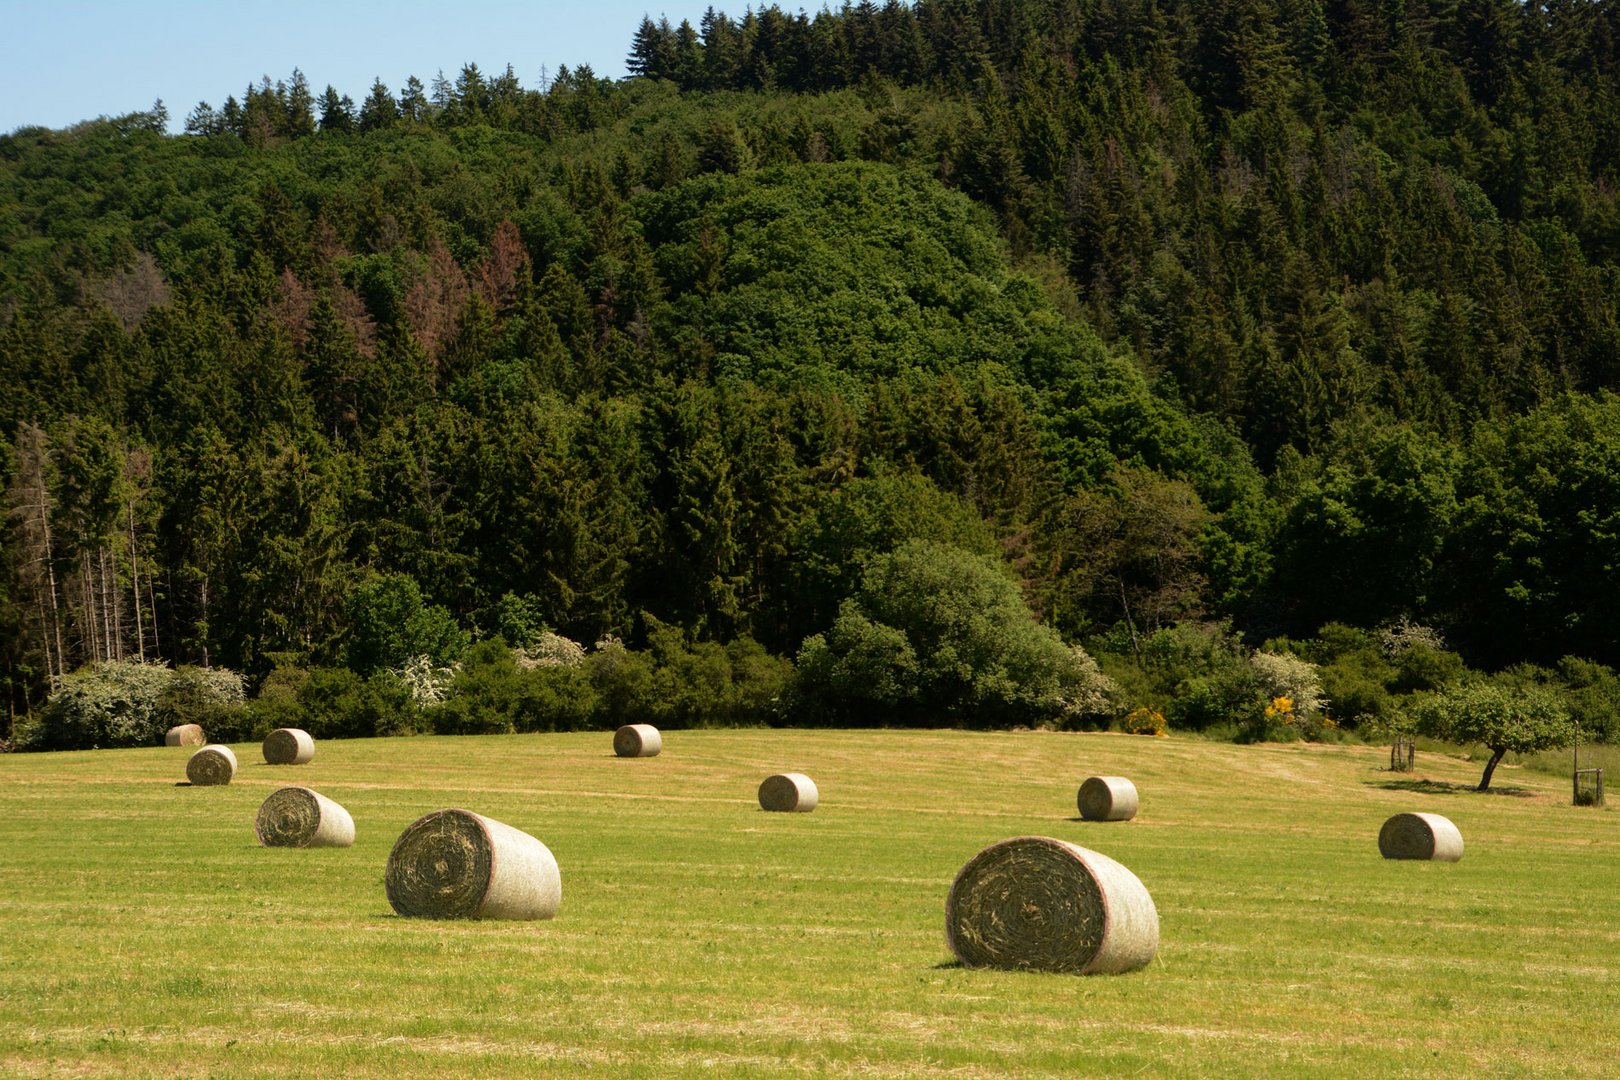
(637, 740)
(790, 792)
(1420, 836)
(1107, 798)
(1041, 904)
(211, 765)
(289, 746)
(185, 735)
(299, 817)
(455, 864)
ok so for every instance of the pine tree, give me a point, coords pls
(652, 52)
(203, 120)
(337, 113)
(380, 110)
(722, 50)
(687, 57)
(413, 102)
(300, 108)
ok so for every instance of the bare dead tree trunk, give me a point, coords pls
(1130, 623)
(92, 639)
(50, 577)
(135, 584)
(29, 502)
(112, 617)
(205, 620)
(151, 596)
(51, 663)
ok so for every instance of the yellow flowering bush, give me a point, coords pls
(1310, 725)
(1144, 721)
(1281, 709)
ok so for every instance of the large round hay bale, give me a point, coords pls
(299, 817)
(1041, 904)
(790, 792)
(455, 864)
(637, 740)
(289, 746)
(1107, 798)
(185, 735)
(1420, 836)
(211, 765)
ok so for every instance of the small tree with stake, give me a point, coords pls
(1521, 720)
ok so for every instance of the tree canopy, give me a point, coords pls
(1522, 720)
(1284, 315)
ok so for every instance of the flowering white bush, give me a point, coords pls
(123, 703)
(551, 650)
(215, 685)
(1088, 693)
(1397, 638)
(1283, 676)
(427, 681)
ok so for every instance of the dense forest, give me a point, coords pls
(1207, 326)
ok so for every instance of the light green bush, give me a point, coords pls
(940, 636)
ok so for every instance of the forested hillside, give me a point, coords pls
(1286, 321)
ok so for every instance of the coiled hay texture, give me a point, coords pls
(299, 817)
(791, 792)
(637, 740)
(1107, 798)
(211, 765)
(185, 735)
(1041, 904)
(289, 746)
(1420, 836)
(455, 864)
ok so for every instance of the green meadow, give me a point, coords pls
(146, 933)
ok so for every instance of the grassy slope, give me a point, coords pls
(145, 932)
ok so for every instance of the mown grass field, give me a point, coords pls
(145, 932)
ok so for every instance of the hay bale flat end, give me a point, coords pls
(211, 766)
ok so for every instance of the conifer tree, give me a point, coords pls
(380, 110)
(300, 107)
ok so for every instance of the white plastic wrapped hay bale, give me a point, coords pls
(211, 766)
(1420, 836)
(455, 864)
(792, 792)
(185, 735)
(1035, 903)
(637, 740)
(299, 817)
(1107, 798)
(289, 746)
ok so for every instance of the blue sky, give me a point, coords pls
(69, 60)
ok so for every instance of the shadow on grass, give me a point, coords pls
(949, 965)
(1446, 787)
